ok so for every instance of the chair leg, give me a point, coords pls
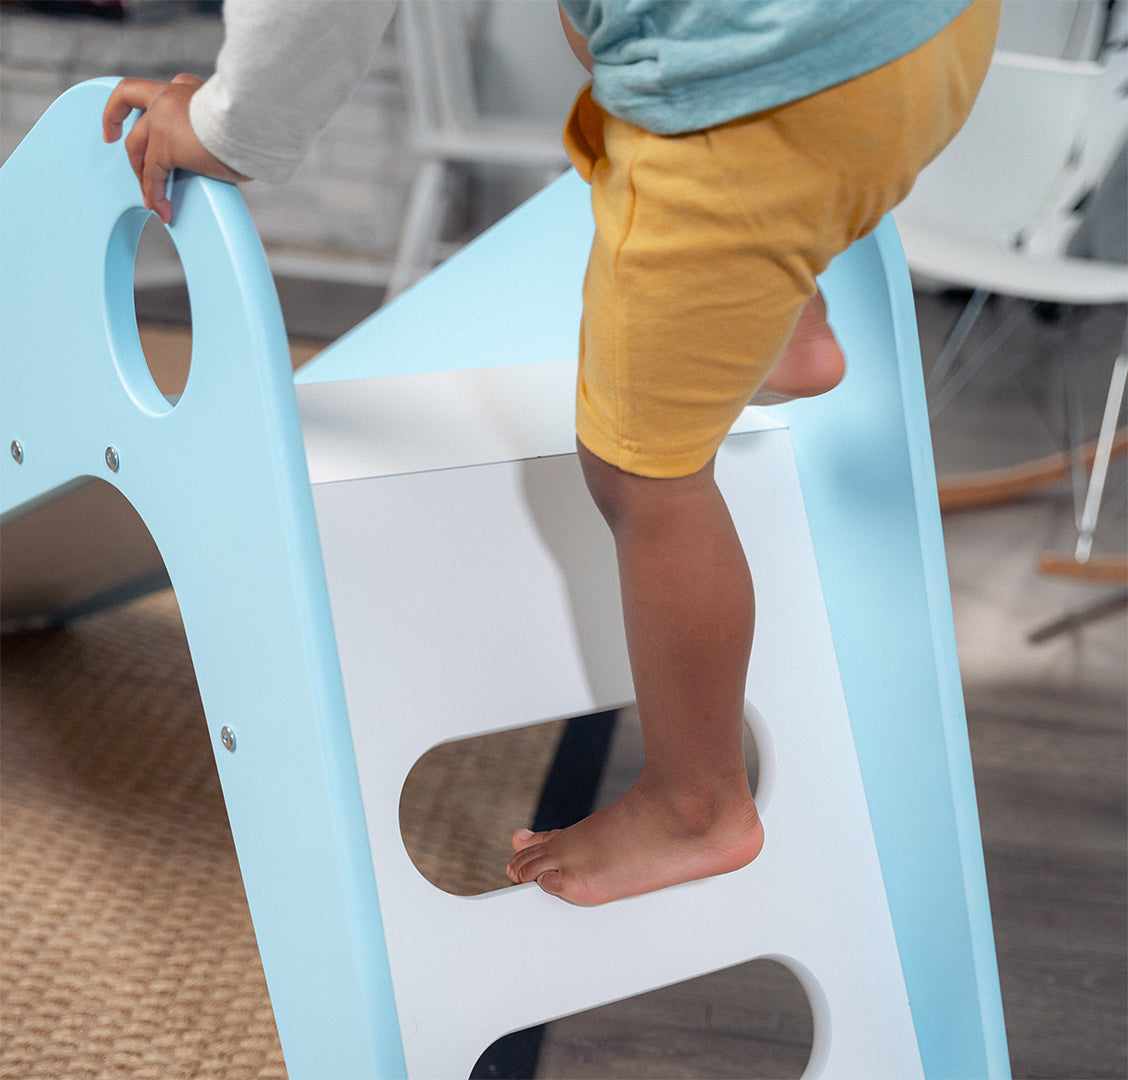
(1116, 388)
(956, 339)
(1077, 620)
(423, 222)
(947, 393)
(1074, 408)
(1082, 565)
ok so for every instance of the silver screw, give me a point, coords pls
(227, 737)
(112, 459)
(17, 452)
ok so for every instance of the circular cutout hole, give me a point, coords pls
(163, 310)
(154, 376)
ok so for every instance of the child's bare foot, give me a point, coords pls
(811, 362)
(639, 844)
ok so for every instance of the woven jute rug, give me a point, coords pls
(127, 948)
(126, 945)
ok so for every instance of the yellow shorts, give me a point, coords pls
(707, 244)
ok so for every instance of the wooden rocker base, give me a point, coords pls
(1104, 570)
(996, 487)
(1076, 620)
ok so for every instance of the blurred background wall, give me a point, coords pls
(341, 213)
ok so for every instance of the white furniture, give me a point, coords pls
(447, 128)
(996, 211)
(437, 570)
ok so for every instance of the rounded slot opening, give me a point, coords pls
(753, 1021)
(463, 800)
(759, 754)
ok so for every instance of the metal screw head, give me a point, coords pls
(17, 452)
(112, 459)
(227, 737)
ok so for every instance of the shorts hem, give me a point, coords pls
(665, 465)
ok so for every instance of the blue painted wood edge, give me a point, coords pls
(512, 296)
(221, 483)
(864, 455)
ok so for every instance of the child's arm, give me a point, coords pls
(576, 40)
(282, 72)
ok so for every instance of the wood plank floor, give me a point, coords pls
(1050, 775)
(1048, 725)
(1047, 720)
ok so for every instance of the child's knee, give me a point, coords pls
(624, 497)
(606, 483)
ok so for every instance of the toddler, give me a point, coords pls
(733, 147)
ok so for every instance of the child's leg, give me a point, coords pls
(688, 607)
(811, 362)
(706, 249)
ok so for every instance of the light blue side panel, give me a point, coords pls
(864, 457)
(220, 480)
(513, 296)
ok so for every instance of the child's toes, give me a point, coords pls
(524, 838)
(513, 868)
(528, 864)
(551, 881)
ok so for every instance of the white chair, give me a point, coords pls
(448, 129)
(1066, 29)
(995, 214)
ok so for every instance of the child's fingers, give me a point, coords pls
(162, 138)
(150, 164)
(129, 94)
(135, 143)
(143, 148)
(154, 184)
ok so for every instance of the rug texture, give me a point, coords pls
(127, 948)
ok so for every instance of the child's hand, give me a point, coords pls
(162, 139)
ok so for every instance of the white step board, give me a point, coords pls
(481, 595)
